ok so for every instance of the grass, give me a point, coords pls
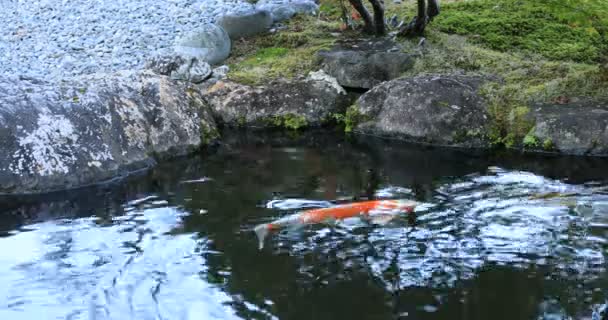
(540, 27)
(285, 54)
(564, 30)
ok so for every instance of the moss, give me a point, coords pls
(530, 141)
(241, 121)
(538, 27)
(444, 104)
(548, 145)
(351, 118)
(289, 121)
(208, 133)
(330, 9)
(284, 54)
(509, 140)
(294, 122)
(466, 135)
(460, 136)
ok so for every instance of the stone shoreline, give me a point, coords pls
(66, 134)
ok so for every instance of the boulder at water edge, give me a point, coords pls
(579, 128)
(365, 63)
(210, 43)
(285, 9)
(78, 133)
(441, 110)
(292, 104)
(246, 25)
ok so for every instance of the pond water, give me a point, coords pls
(499, 237)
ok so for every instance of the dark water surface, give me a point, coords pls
(501, 237)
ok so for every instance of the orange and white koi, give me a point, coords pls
(377, 211)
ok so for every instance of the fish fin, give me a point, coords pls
(332, 222)
(261, 231)
(382, 219)
(365, 218)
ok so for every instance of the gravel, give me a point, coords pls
(57, 39)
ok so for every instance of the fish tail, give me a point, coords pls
(261, 231)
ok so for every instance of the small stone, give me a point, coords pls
(221, 72)
(194, 71)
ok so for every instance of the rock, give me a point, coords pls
(579, 128)
(442, 110)
(220, 72)
(365, 64)
(210, 43)
(164, 64)
(94, 129)
(180, 68)
(242, 26)
(293, 104)
(285, 9)
(194, 71)
(282, 12)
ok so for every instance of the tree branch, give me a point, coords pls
(433, 9)
(365, 15)
(379, 24)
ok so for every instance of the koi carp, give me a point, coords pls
(375, 211)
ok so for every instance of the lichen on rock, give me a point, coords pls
(412, 109)
(120, 123)
(291, 104)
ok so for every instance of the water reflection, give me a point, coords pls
(501, 238)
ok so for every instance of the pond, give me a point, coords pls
(498, 237)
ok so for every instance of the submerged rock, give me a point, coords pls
(579, 128)
(246, 25)
(87, 131)
(365, 64)
(292, 104)
(210, 43)
(441, 110)
(285, 9)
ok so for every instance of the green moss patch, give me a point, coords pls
(557, 30)
(208, 133)
(350, 119)
(285, 54)
(288, 121)
(531, 141)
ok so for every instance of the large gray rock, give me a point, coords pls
(441, 110)
(180, 68)
(87, 131)
(210, 43)
(246, 25)
(365, 63)
(285, 9)
(579, 128)
(293, 104)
